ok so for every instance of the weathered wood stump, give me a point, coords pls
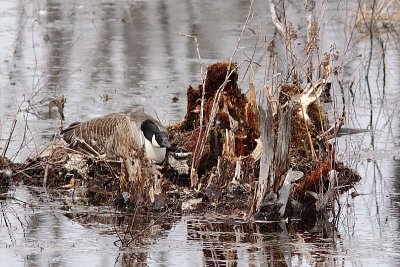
(233, 154)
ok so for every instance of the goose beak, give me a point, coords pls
(165, 143)
(161, 139)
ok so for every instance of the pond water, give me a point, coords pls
(111, 56)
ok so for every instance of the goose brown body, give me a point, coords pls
(115, 135)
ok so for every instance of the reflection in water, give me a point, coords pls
(35, 233)
(58, 36)
(216, 242)
(41, 232)
(110, 56)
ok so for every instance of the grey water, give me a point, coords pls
(111, 56)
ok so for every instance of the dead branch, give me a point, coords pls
(278, 24)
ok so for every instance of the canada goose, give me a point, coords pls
(118, 134)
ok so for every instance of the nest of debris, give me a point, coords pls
(217, 157)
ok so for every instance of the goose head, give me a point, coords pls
(155, 140)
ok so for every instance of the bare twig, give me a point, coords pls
(278, 24)
(9, 138)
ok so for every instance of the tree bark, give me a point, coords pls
(283, 144)
(267, 170)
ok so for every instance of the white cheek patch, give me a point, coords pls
(154, 142)
(155, 153)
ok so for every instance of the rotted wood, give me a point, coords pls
(267, 171)
(283, 144)
(274, 160)
(231, 125)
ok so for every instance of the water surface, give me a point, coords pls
(113, 56)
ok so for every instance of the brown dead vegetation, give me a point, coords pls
(216, 163)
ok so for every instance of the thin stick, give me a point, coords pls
(9, 138)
